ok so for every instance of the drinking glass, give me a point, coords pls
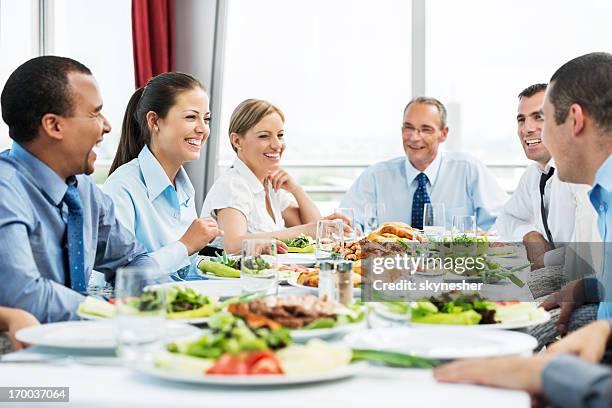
(258, 266)
(463, 233)
(463, 225)
(350, 214)
(434, 220)
(330, 240)
(140, 313)
(373, 215)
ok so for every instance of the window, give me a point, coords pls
(99, 34)
(340, 71)
(18, 43)
(477, 64)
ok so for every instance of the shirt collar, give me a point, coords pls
(253, 182)
(546, 169)
(47, 180)
(431, 171)
(157, 180)
(603, 177)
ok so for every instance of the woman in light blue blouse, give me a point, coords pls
(164, 126)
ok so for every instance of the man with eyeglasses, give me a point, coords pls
(427, 175)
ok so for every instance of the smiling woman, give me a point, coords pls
(256, 197)
(164, 126)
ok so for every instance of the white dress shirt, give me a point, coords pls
(239, 188)
(459, 180)
(522, 213)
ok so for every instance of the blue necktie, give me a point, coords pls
(76, 256)
(419, 200)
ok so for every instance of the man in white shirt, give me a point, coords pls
(541, 211)
(426, 175)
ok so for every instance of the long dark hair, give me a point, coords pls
(158, 95)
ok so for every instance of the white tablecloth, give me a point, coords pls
(93, 386)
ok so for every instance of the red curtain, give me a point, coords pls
(153, 38)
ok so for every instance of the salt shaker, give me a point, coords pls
(328, 281)
(345, 283)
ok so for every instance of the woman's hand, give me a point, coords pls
(199, 234)
(281, 179)
(348, 228)
(19, 319)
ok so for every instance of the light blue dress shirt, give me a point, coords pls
(601, 198)
(458, 180)
(33, 219)
(158, 214)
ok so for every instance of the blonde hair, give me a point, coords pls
(248, 114)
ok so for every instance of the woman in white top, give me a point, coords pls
(256, 198)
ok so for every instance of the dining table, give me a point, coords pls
(98, 378)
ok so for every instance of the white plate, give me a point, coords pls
(444, 343)
(381, 310)
(305, 335)
(453, 277)
(221, 289)
(293, 282)
(253, 380)
(94, 334)
(197, 320)
(297, 259)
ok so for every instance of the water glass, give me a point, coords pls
(350, 214)
(373, 215)
(463, 225)
(258, 267)
(330, 240)
(434, 220)
(140, 313)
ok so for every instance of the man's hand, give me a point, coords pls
(19, 319)
(536, 246)
(517, 373)
(568, 298)
(588, 343)
(348, 228)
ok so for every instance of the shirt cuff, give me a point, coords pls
(591, 289)
(567, 381)
(172, 257)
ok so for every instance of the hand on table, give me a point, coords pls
(589, 342)
(568, 298)
(517, 373)
(348, 228)
(19, 319)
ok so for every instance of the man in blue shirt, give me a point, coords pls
(578, 133)
(426, 175)
(55, 224)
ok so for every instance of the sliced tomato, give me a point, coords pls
(111, 301)
(263, 362)
(229, 365)
(507, 303)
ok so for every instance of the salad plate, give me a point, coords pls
(444, 343)
(305, 335)
(253, 380)
(307, 259)
(88, 335)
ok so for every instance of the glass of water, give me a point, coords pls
(463, 235)
(330, 240)
(373, 215)
(350, 214)
(140, 313)
(434, 220)
(258, 266)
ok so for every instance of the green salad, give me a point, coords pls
(300, 244)
(454, 308)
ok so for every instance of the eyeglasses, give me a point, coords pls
(427, 131)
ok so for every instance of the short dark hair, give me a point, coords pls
(532, 90)
(586, 81)
(37, 87)
(426, 100)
